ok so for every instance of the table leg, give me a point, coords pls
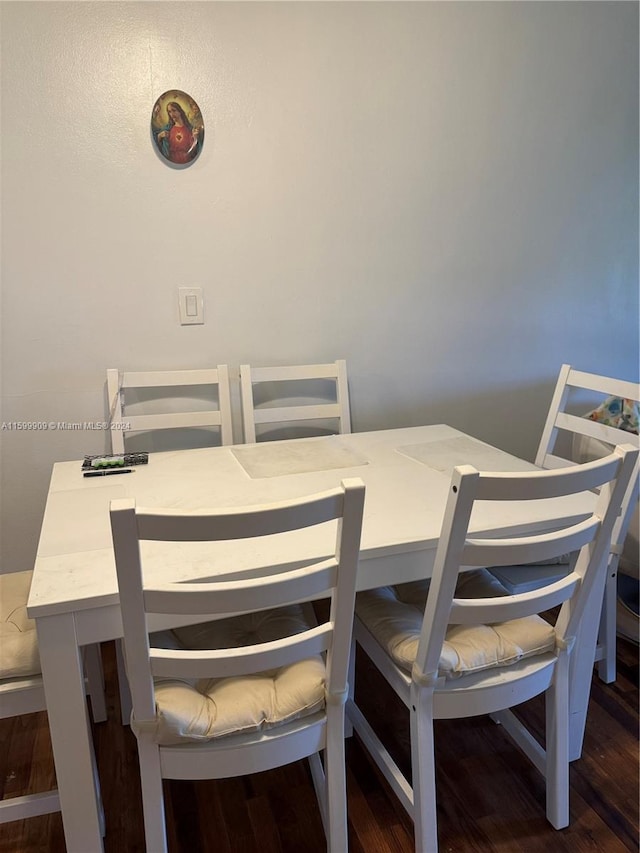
(76, 774)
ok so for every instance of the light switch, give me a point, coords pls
(191, 306)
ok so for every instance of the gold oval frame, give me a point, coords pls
(177, 128)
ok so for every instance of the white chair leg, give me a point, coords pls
(607, 633)
(123, 685)
(152, 797)
(94, 674)
(320, 786)
(336, 784)
(557, 745)
(424, 771)
(96, 783)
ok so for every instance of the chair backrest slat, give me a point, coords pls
(255, 594)
(238, 522)
(529, 549)
(291, 372)
(603, 384)
(246, 660)
(174, 420)
(483, 611)
(583, 426)
(169, 378)
(289, 414)
(512, 485)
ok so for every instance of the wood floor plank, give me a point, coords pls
(490, 799)
(264, 824)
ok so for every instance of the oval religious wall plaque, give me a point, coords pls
(177, 127)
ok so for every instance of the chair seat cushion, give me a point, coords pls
(393, 614)
(18, 640)
(584, 448)
(617, 412)
(200, 710)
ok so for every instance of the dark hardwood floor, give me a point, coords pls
(490, 797)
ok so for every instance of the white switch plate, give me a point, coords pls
(191, 306)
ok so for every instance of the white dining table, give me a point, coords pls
(74, 593)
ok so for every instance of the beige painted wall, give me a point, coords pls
(445, 194)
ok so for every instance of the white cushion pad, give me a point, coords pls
(393, 614)
(585, 449)
(200, 710)
(18, 640)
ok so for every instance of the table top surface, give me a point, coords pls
(406, 473)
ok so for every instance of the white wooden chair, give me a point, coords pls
(21, 686)
(121, 387)
(461, 646)
(121, 391)
(298, 409)
(255, 691)
(568, 440)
